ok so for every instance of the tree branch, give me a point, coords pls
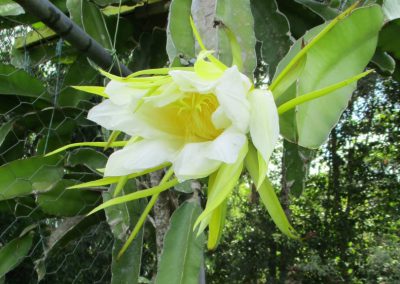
(71, 32)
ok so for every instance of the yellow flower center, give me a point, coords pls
(196, 110)
(188, 118)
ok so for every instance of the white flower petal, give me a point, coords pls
(231, 92)
(167, 95)
(123, 93)
(192, 162)
(226, 147)
(116, 117)
(219, 119)
(264, 122)
(140, 156)
(189, 81)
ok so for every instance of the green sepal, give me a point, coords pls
(225, 180)
(136, 195)
(269, 198)
(255, 160)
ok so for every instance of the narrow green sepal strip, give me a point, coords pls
(111, 180)
(112, 138)
(96, 90)
(120, 185)
(319, 93)
(90, 144)
(146, 212)
(159, 71)
(136, 195)
(268, 196)
(306, 48)
(139, 83)
(211, 57)
(235, 48)
(138, 225)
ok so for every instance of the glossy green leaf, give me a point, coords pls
(64, 202)
(14, 252)
(180, 41)
(4, 130)
(10, 8)
(150, 53)
(272, 30)
(182, 254)
(341, 53)
(79, 73)
(88, 157)
(185, 187)
(389, 40)
(36, 36)
(17, 82)
(384, 62)
(323, 9)
(300, 17)
(31, 175)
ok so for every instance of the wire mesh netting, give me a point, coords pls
(40, 112)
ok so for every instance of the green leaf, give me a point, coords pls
(38, 35)
(64, 202)
(272, 30)
(150, 53)
(10, 8)
(79, 73)
(185, 187)
(300, 17)
(89, 17)
(88, 157)
(180, 41)
(384, 62)
(4, 130)
(121, 218)
(14, 252)
(17, 82)
(296, 163)
(389, 40)
(341, 53)
(31, 175)
(323, 9)
(182, 254)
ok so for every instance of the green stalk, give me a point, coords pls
(146, 212)
(306, 48)
(211, 57)
(111, 180)
(91, 144)
(112, 138)
(319, 93)
(136, 195)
